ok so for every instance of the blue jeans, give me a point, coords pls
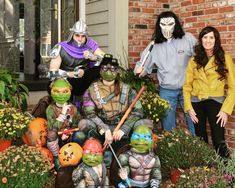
(174, 96)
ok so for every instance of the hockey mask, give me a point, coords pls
(92, 153)
(167, 26)
(60, 91)
(141, 139)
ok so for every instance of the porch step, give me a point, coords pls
(32, 83)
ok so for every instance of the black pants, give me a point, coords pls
(80, 85)
(208, 109)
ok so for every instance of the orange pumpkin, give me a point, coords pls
(4, 144)
(36, 133)
(46, 153)
(70, 154)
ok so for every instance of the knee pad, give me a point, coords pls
(52, 136)
(83, 125)
(53, 146)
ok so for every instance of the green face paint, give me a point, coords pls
(141, 139)
(108, 75)
(92, 159)
(60, 91)
(61, 98)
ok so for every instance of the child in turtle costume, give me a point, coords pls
(92, 171)
(62, 115)
(140, 164)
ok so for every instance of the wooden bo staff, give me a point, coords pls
(129, 109)
(68, 131)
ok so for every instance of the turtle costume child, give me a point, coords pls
(140, 164)
(92, 171)
(62, 116)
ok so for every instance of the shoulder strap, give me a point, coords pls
(102, 100)
(94, 176)
(125, 90)
(104, 173)
(143, 164)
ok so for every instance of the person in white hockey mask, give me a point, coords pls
(169, 52)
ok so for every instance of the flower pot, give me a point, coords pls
(4, 144)
(174, 175)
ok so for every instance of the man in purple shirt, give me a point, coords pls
(77, 59)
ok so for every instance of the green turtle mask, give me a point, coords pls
(92, 159)
(60, 91)
(141, 139)
(109, 72)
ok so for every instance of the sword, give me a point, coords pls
(119, 164)
(141, 67)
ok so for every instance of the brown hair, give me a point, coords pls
(201, 58)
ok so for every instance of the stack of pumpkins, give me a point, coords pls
(69, 155)
(36, 136)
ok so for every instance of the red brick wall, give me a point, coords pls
(195, 14)
(142, 17)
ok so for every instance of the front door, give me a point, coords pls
(30, 28)
(9, 35)
(55, 24)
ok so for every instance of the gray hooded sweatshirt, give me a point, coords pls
(171, 59)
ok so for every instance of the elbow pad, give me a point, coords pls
(56, 74)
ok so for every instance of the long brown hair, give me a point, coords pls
(201, 58)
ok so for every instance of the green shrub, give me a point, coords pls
(12, 91)
(179, 149)
(23, 167)
(135, 82)
(154, 107)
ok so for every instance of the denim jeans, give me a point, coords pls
(174, 96)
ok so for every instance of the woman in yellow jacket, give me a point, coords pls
(204, 89)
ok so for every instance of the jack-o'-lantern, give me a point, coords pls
(36, 133)
(70, 154)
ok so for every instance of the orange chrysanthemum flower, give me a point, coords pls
(4, 180)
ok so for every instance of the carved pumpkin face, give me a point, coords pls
(70, 154)
(36, 133)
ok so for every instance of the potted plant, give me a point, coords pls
(23, 166)
(12, 91)
(13, 123)
(180, 150)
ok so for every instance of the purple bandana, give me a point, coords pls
(77, 52)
